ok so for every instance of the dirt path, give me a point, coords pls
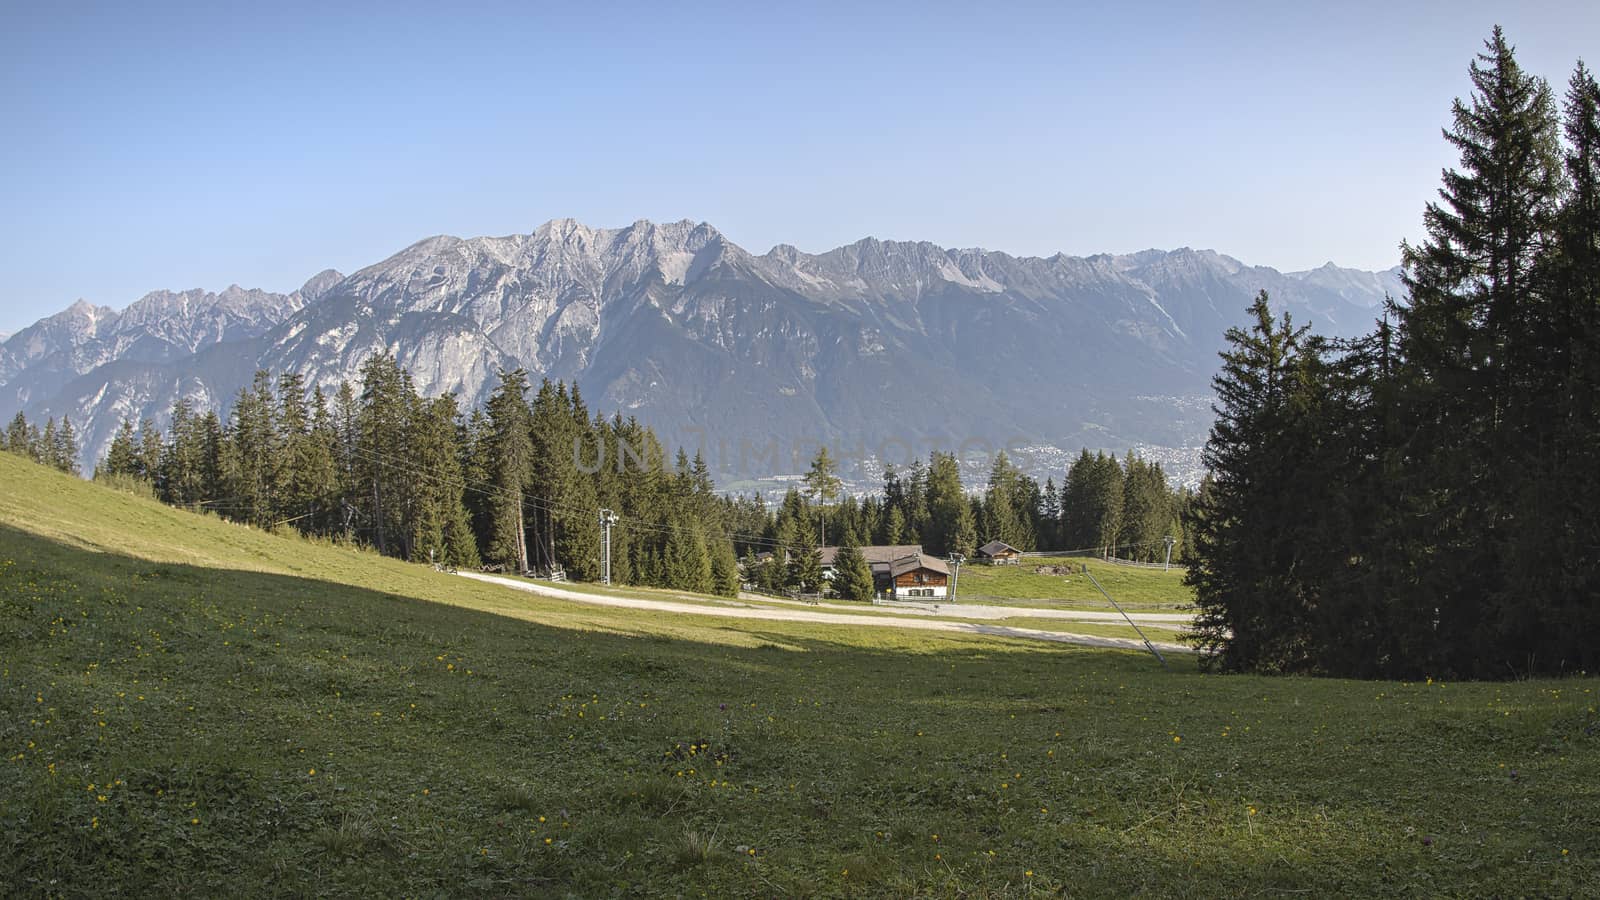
(975, 611)
(823, 618)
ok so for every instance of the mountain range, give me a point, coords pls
(878, 348)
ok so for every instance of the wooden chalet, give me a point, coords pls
(900, 569)
(918, 576)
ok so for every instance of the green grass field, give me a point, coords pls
(192, 708)
(1147, 590)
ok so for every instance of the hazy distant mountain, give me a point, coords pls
(875, 343)
(1364, 289)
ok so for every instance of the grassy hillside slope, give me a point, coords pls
(1136, 589)
(189, 707)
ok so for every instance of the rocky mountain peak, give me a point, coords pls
(319, 284)
(680, 326)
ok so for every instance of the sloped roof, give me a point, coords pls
(876, 553)
(918, 561)
(995, 547)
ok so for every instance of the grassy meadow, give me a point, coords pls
(1145, 590)
(190, 708)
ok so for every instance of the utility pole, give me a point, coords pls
(607, 519)
(1170, 541)
(956, 560)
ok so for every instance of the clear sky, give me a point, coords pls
(184, 146)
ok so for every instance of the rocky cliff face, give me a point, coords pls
(873, 346)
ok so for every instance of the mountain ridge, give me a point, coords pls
(679, 325)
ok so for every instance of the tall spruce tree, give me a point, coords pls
(385, 479)
(1467, 338)
(251, 460)
(510, 465)
(951, 527)
(1236, 579)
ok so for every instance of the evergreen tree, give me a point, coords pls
(1146, 516)
(385, 478)
(477, 459)
(852, 577)
(346, 414)
(440, 530)
(179, 466)
(17, 438)
(918, 529)
(893, 529)
(566, 527)
(150, 446)
(67, 447)
(951, 527)
(1077, 522)
(212, 443)
(1050, 516)
(317, 468)
(122, 457)
(49, 452)
(688, 562)
(822, 488)
(510, 464)
(804, 568)
(251, 459)
(1236, 579)
(724, 569)
(1470, 351)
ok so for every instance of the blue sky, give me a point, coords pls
(195, 146)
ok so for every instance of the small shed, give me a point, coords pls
(999, 553)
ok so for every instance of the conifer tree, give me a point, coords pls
(440, 531)
(803, 571)
(724, 569)
(384, 477)
(66, 447)
(150, 446)
(122, 457)
(1235, 576)
(318, 468)
(212, 443)
(688, 562)
(48, 445)
(892, 531)
(17, 436)
(252, 452)
(852, 578)
(180, 464)
(1050, 516)
(1468, 340)
(822, 488)
(951, 527)
(510, 464)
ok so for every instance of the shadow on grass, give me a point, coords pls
(184, 730)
